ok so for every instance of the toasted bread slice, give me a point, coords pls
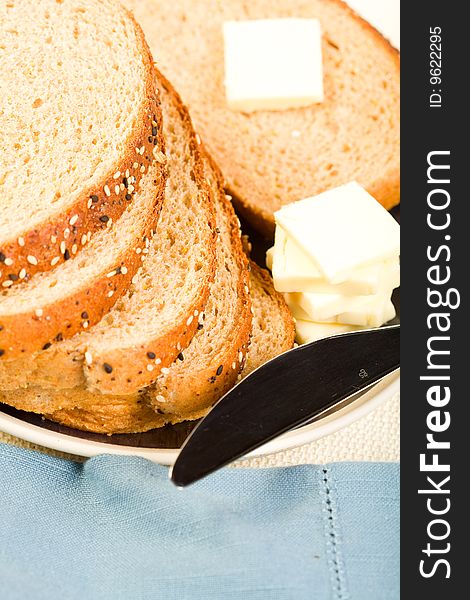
(157, 318)
(272, 334)
(272, 158)
(57, 304)
(67, 164)
(272, 322)
(217, 353)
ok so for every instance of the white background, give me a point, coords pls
(383, 14)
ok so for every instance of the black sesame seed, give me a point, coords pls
(125, 182)
(155, 141)
(59, 337)
(46, 345)
(104, 218)
(84, 315)
(200, 326)
(2, 352)
(212, 379)
(2, 257)
(150, 138)
(151, 355)
(66, 254)
(181, 356)
(220, 369)
(217, 230)
(128, 197)
(13, 277)
(154, 130)
(94, 198)
(107, 368)
(118, 270)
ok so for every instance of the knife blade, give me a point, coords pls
(286, 392)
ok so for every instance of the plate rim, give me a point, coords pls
(381, 392)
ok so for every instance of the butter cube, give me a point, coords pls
(273, 64)
(341, 230)
(366, 311)
(294, 271)
(308, 331)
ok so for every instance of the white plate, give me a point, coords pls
(385, 16)
(70, 444)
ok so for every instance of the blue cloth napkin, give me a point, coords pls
(116, 528)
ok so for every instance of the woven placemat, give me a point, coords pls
(375, 437)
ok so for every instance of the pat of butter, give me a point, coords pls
(341, 230)
(367, 311)
(273, 64)
(308, 331)
(294, 271)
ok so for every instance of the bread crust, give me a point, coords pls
(39, 249)
(25, 333)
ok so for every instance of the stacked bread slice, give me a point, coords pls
(145, 318)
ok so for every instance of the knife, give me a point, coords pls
(287, 392)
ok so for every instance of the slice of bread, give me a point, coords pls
(272, 158)
(157, 318)
(273, 333)
(74, 296)
(272, 322)
(217, 353)
(79, 122)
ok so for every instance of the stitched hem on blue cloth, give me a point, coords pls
(335, 560)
